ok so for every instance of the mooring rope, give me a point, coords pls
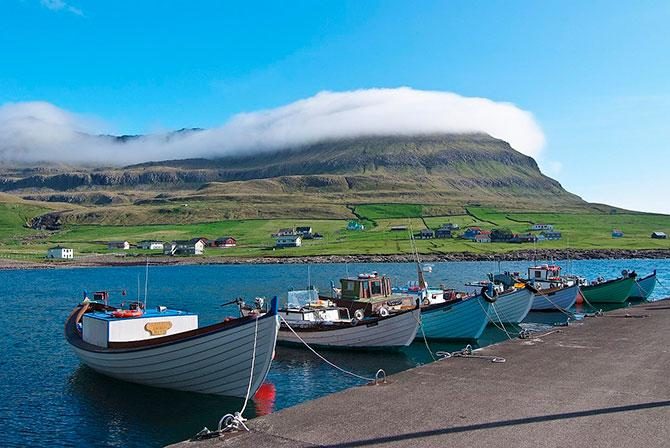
(370, 380)
(467, 352)
(561, 309)
(425, 339)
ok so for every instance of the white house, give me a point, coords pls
(542, 227)
(289, 241)
(150, 245)
(60, 253)
(184, 248)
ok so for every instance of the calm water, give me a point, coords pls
(48, 398)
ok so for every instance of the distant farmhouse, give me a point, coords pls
(284, 232)
(659, 235)
(305, 231)
(541, 226)
(288, 241)
(471, 232)
(426, 234)
(125, 245)
(150, 245)
(483, 236)
(185, 247)
(355, 225)
(61, 253)
(551, 235)
(225, 241)
(398, 228)
(444, 231)
(617, 233)
(524, 238)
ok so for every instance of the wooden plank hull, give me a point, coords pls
(512, 307)
(217, 362)
(551, 300)
(613, 291)
(394, 331)
(464, 320)
(643, 288)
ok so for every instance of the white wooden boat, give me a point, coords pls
(554, 298)
(165, 348)
(643, 287)
(511, 307)
(335, 331)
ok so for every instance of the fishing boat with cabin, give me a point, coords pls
(165, 348)
(319, 322)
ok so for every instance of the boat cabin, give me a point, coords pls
(545, 276)
(372, 292)
(102, 328)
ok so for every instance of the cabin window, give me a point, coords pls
(376, 288)
(348, 285)
(538, 274)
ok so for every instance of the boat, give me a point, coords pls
(610, 291)
(557, 298)
(458, 319)
(643, 287)
(165, 348)
(319, 322)
(511, 307)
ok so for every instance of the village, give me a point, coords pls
(292, 237)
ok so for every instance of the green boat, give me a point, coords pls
(611, 291)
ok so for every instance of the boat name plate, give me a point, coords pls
(158, 328)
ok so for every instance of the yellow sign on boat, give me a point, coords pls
(158, 328)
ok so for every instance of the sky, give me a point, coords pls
(592, 76)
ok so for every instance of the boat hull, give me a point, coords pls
(613, 291)
(552, 300)
(464, 320)
(511, 307)
(216, 362)
(392, 332)
(643, 288)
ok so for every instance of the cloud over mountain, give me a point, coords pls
(33, 132)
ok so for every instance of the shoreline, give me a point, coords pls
(520, 255)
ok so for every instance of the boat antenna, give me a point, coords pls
(146, 283)
(138, 288)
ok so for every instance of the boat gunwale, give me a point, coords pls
(345, 325)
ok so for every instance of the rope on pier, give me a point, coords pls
(467, 352)
(425, 339)
(369, 380)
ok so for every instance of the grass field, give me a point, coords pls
(588, 230)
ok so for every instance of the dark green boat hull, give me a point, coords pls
(613, 291)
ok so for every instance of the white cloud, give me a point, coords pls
(33, 132)
(60, 5)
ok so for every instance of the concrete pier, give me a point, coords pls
(602, 382)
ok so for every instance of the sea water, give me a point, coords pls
(47, 398)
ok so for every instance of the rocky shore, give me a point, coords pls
(562, 254)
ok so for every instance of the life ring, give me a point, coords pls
(383, 312)
(426, 302)
(127, 313)
(487, 297)
(354, 322)
(359, 314)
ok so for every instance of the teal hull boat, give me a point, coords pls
(643, 287)
(612, 291)
(457, 320)
(511, 307)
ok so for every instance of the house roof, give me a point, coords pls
(223, 238)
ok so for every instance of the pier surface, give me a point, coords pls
(601, 382)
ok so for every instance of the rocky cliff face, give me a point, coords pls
(442, 162)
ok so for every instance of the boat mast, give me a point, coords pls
(146, 283)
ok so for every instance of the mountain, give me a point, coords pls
(444, 170)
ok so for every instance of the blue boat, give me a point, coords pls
(553, 299)
(458, 319)
(643, 287)
(511, 307)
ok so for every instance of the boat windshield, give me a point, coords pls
(299, 299)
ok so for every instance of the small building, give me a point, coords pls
(184, 247)
(659, 235)
(550, 235)
(355, 225)
(125, 245)
(61, 253)
(225, 241)
(443, 232)
(450, 226)
(305, 231)
(204, 240)
(150, 245)
(541, 226)
(288, 241)
(398, 228)
(482, 238)
(523, 238)
(471, 232)
(285, 232)
(426, 234)
(617, 233)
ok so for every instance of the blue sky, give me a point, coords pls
(594, 74)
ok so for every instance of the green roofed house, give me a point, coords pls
(355, 225)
